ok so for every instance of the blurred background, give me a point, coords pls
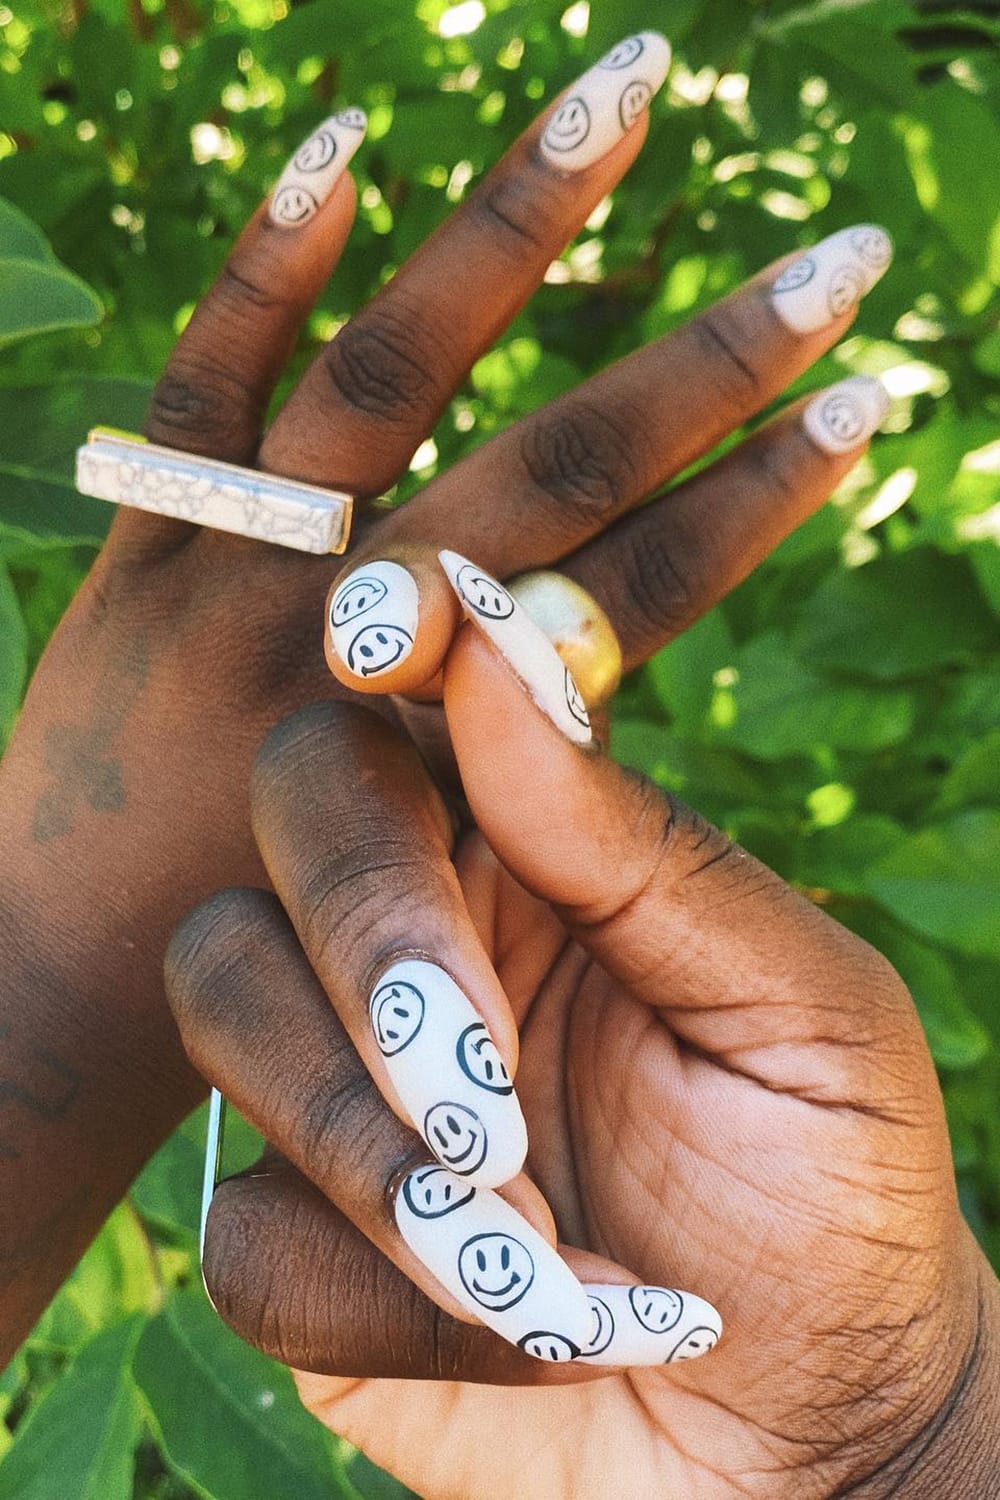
(839, 714)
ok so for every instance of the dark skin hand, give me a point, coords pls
(123, 795)
(725, 1091)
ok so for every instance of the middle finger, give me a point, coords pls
(380, 385)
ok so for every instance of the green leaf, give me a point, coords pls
(41, 426)
(78, 1442)
(20, 237)
(898, 616)
(945, 882)
(682, 673)
(37, 298)
(975, 776)
(954, 1035)
(227, 1418)
(776, 707)
(13, 653)
(116, 1277)
(839, 858)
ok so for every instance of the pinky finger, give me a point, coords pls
(662, 567)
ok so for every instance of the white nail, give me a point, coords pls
(832, 277)
(606, 101)
(846, 414)
(494, 1263)
(648, 1325)
(314, 170)
(526, 648)
(373, 618)
(449, 1076)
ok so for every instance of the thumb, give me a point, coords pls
(689, 922)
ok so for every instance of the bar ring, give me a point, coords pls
(127, 470)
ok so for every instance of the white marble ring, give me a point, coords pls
(125, 469)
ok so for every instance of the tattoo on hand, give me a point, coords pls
(86, 773)
(35, 1079)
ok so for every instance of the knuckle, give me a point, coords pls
(728, 360)
(512, 213)
(385, 363)
(209, 953)
(665, 586)
(240, 292)
(296, 743)
(773, 467)
(582, 461)
(203, 406)
(355, 900)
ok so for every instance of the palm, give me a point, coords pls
(695, 1171)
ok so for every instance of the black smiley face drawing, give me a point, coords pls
(317, 152)
(623, 54)
(555, 1348)
(483, 594)
(433, 1192)
(356, 597)
(377, 648)
(604, 1329)
(354, 119)
(293, 204)
(569, 127)
(397, 1014)
(845, 289)
(496, 1270)
(797, 274)
(633, 101)
(693, 1345)
(479, 1060)
(843, 417)
(574, 701)
(457, 1136)
(872, 245)
(656, 1307)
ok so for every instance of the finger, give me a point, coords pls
(357, 843)
(293, 1072)
(657, 570)
(390, 621)
(563, 474)
(742, 965)
(220, 376)
(293, 1276)
(380, 385)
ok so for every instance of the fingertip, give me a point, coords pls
(389, 622)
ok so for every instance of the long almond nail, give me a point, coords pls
(832, 277)
(606, 101)
(648, 1325)
(846, 414)
(449, 1076)
(494, 1263)
(314, 170)
(373, 618)
(522, 644)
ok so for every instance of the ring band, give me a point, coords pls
(123, 468)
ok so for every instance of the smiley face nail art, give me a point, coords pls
(494, 1263)
(605, 102)
(372, 619)
(448, 1073)
(846, 414)
(313, 172)
(522, 643)
(648, 1325)
(832, 277)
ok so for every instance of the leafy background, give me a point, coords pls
(839, 714)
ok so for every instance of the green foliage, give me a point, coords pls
(839, 713)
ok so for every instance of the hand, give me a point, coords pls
(724, 1090)
(123, 795)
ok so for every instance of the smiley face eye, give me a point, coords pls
(480, 1260)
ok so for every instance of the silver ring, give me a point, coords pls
(123, 468)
